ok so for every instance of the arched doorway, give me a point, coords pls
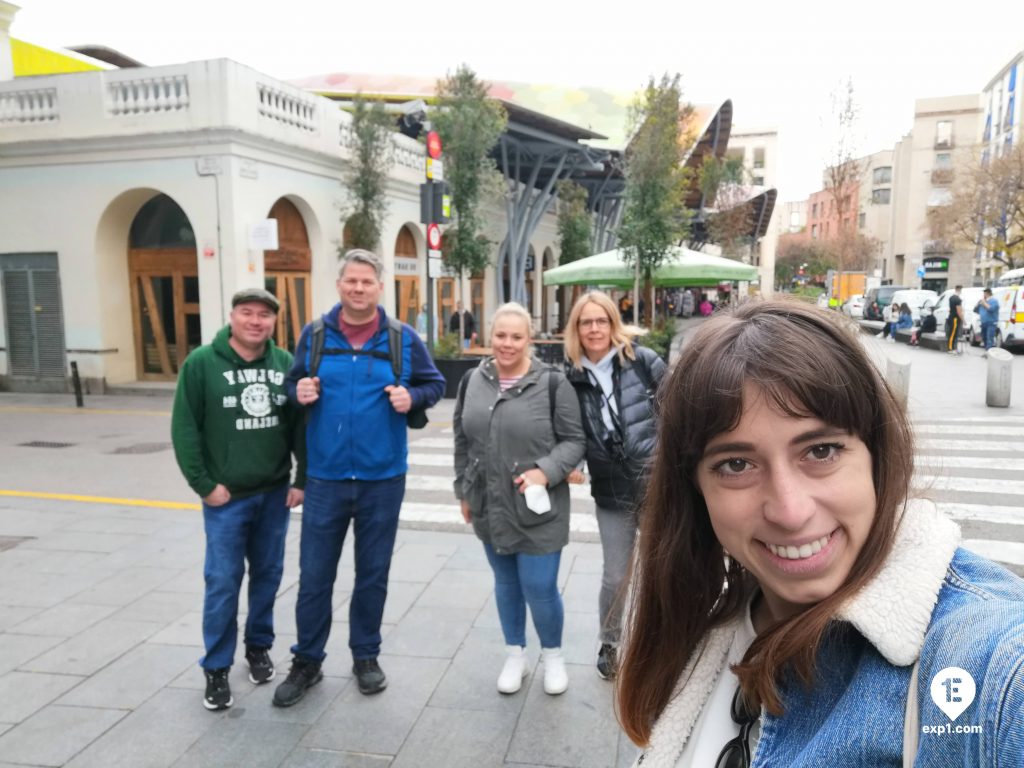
(164, 288)
(407, 277)
(286, 273)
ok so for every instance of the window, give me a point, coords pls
(944, 133)
(882, 175)
(862, 219)
(814, 211)
(881, 196)
(943, 161)
(1009, 114)
(814, 231)
(794, 221)
(758, 181)
(759, 157)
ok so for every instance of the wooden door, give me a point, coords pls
(293, 291)
(165, 309)
(287, 273)
(446, 299)
(407, 289)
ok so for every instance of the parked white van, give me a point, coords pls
(940, 308)
(1010, 328)
(913, 298)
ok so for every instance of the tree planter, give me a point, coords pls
(453, 369)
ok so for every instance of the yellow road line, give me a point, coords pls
(101, 500)
(42, 409)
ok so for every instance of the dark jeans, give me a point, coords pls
(988, 333)
(521, 580)
(328, 507)
(252, 529)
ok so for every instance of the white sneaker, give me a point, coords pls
(511, 678)
(556, 679)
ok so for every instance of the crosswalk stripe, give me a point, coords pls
(579, 522)
(970, 484)
(1005, 446)
(983, 513)
(939, 462)
(1000, 551)
(1015, 431)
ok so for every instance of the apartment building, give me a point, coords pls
(759, 151)
(874, 206)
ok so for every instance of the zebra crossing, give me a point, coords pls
(972, 468)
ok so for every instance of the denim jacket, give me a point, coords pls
(931, 601)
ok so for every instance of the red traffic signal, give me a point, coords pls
(434, 144)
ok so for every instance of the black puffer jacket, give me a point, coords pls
(617, 464)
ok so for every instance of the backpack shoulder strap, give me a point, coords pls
(395, 347)
(643, 372)
(316, 346)
(460, 396)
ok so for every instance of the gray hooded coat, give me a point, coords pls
(499, 435)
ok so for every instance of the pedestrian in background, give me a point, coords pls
(988, 311)
(358, 446)
(615, 380)
(468, 325)
(783, 471)
(517, 437)
(955, 322)
(234, 434)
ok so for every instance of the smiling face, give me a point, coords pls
(252, 323)
(360, 290)
(595, 331)
(791, 499)
(510, 341)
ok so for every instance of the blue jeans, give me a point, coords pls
(329, 505)
(521, 580)
(253, 529)
(988, 334)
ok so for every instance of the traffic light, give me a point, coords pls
(435, 202)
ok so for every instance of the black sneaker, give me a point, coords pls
(607, 661)
(302, 676)
(261, 668)
(369, 675)
(218, 692)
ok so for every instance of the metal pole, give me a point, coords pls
(77, 383)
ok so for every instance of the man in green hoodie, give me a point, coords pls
(234, 434)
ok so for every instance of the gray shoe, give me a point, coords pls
(369, 676)
(303, 675)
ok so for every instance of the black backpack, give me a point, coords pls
(417, 417)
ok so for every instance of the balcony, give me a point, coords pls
(942, 176)
(945, 143)
(154, 104)
(936, 246)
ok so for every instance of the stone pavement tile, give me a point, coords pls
(329, 758)
(456, 738)
(580, 635)
(55, 734)
(16, 650)
(154, 735)
(13, 615)
(42, 590)
(419, 562)
(93, 649)
(428, 632)
(585, 564)
(16, 521)
(456, 589)
(158, 606)
(131, 679)
(40, 561)
(254, 702)
(185, 630)
(469, 556)
(237, 743)
(575, 729)
(401, 597)
(126, 586)
(628, 751)
(64, 620)
(23, 693)
(103, 523)
(378, 724)
(84, 542)
(488, 616)
(581, 592)
(190, 580)
(470, 682)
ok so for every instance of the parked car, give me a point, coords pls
(1010, 328)
(913, 298)
(854, 307)
(881, 296)
(970, 297)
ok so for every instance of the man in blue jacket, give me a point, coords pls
(356, 464)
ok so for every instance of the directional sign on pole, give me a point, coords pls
(435, 268)
(433, 237)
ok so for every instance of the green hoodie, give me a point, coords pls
(232, 422)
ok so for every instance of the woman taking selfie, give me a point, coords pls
(783, 471)
(615, 380)
(517, 436)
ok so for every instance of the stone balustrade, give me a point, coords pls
(27, 106)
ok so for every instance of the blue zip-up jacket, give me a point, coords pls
(932, 602)
(353, 433)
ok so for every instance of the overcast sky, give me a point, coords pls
(778, 62)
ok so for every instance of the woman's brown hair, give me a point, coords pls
(807, 362)
(621, 335)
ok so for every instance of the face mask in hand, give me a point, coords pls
(537, 499)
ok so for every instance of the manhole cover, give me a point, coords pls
(45, 444)
(10, 542)
(143, 448)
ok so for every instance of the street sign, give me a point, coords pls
(432, 254)
(920, 271)
(433, 237)
(435, 268)
(434, 144)
(435, 170)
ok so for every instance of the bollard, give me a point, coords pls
(897, 373)
(77, 382)
(997, 386)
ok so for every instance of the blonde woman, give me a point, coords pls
(615, 380)
(517, 430)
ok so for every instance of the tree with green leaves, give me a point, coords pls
(366, 175)
(655, 217)
(470, 123)
(573, 222)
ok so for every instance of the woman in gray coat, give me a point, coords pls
(518, 434)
